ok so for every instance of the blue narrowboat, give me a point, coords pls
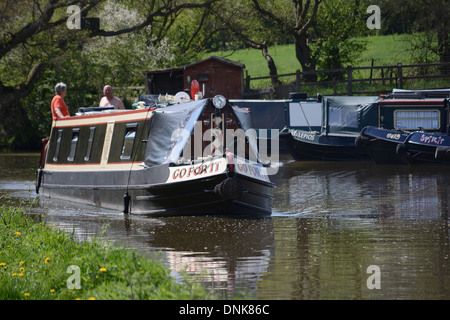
(415, 133)
(328, 130)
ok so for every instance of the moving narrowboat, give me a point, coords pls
(175, 160)
(331, 128)
(415, 131)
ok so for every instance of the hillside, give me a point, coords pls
(385, 50)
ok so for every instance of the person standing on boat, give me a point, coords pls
(109, 99)
(58, 106)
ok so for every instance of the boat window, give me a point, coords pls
(414, 119)
(128, 141)
(89, 144)
(73, 144)
(58, 144)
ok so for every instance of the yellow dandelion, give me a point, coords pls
(47, 260)
(14, 274)
(52, 290)
(22, 269)
(26, 294)
(91, 298)
(17, 233)
(20, 263)
(2, 264)
(102, 269)
(20, 274)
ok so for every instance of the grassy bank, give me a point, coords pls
(41, 263)
(384, 50)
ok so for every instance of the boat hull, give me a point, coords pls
(395, 147)
(154, 191)
(307, 146)
(428, 148)
(383, 146)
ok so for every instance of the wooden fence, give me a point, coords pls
(372, 80)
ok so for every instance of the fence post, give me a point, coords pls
(298, 78)
(247, 80)
(349, 81)
(400, 75)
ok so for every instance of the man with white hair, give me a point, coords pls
(109, 99)
(58, 106)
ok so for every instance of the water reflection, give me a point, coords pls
(228, 255)
(331, 221)
(363, 190)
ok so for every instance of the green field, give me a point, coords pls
(385, 50)
(388, 50)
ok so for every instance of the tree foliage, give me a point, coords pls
(37, 50)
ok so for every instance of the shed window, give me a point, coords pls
(87, 156)
(128, 141)
(73, 144)
(58, 144)
(414, 119)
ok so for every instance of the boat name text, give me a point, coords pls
(196, 171)
(431, 139)
(394, 136)
(304, 135)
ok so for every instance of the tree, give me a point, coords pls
(334, 44)
(297, 20)
(37, 31)
(35, 40)
(238, 18)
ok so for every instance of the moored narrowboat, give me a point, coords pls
(419, 134)
(176, 160)
(340, 135)
(331, 130)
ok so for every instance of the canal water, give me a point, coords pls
(338, 231)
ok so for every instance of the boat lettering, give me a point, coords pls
(195, 171)
(249, 170)
(431, 139)
(394, 136)
(304, 135)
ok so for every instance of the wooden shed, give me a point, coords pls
(164, 81)
(216, 75)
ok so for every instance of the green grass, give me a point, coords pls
(38, 262)
(385, 50)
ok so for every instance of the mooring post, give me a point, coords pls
(126, 203)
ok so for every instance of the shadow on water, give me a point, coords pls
(331, 221)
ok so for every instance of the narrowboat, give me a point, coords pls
(331, 128)
(415, 131)
(193, 158)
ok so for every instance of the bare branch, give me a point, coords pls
(269, 15)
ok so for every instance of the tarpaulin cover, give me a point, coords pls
(171, 128)
(166, 138)
(349, 115)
